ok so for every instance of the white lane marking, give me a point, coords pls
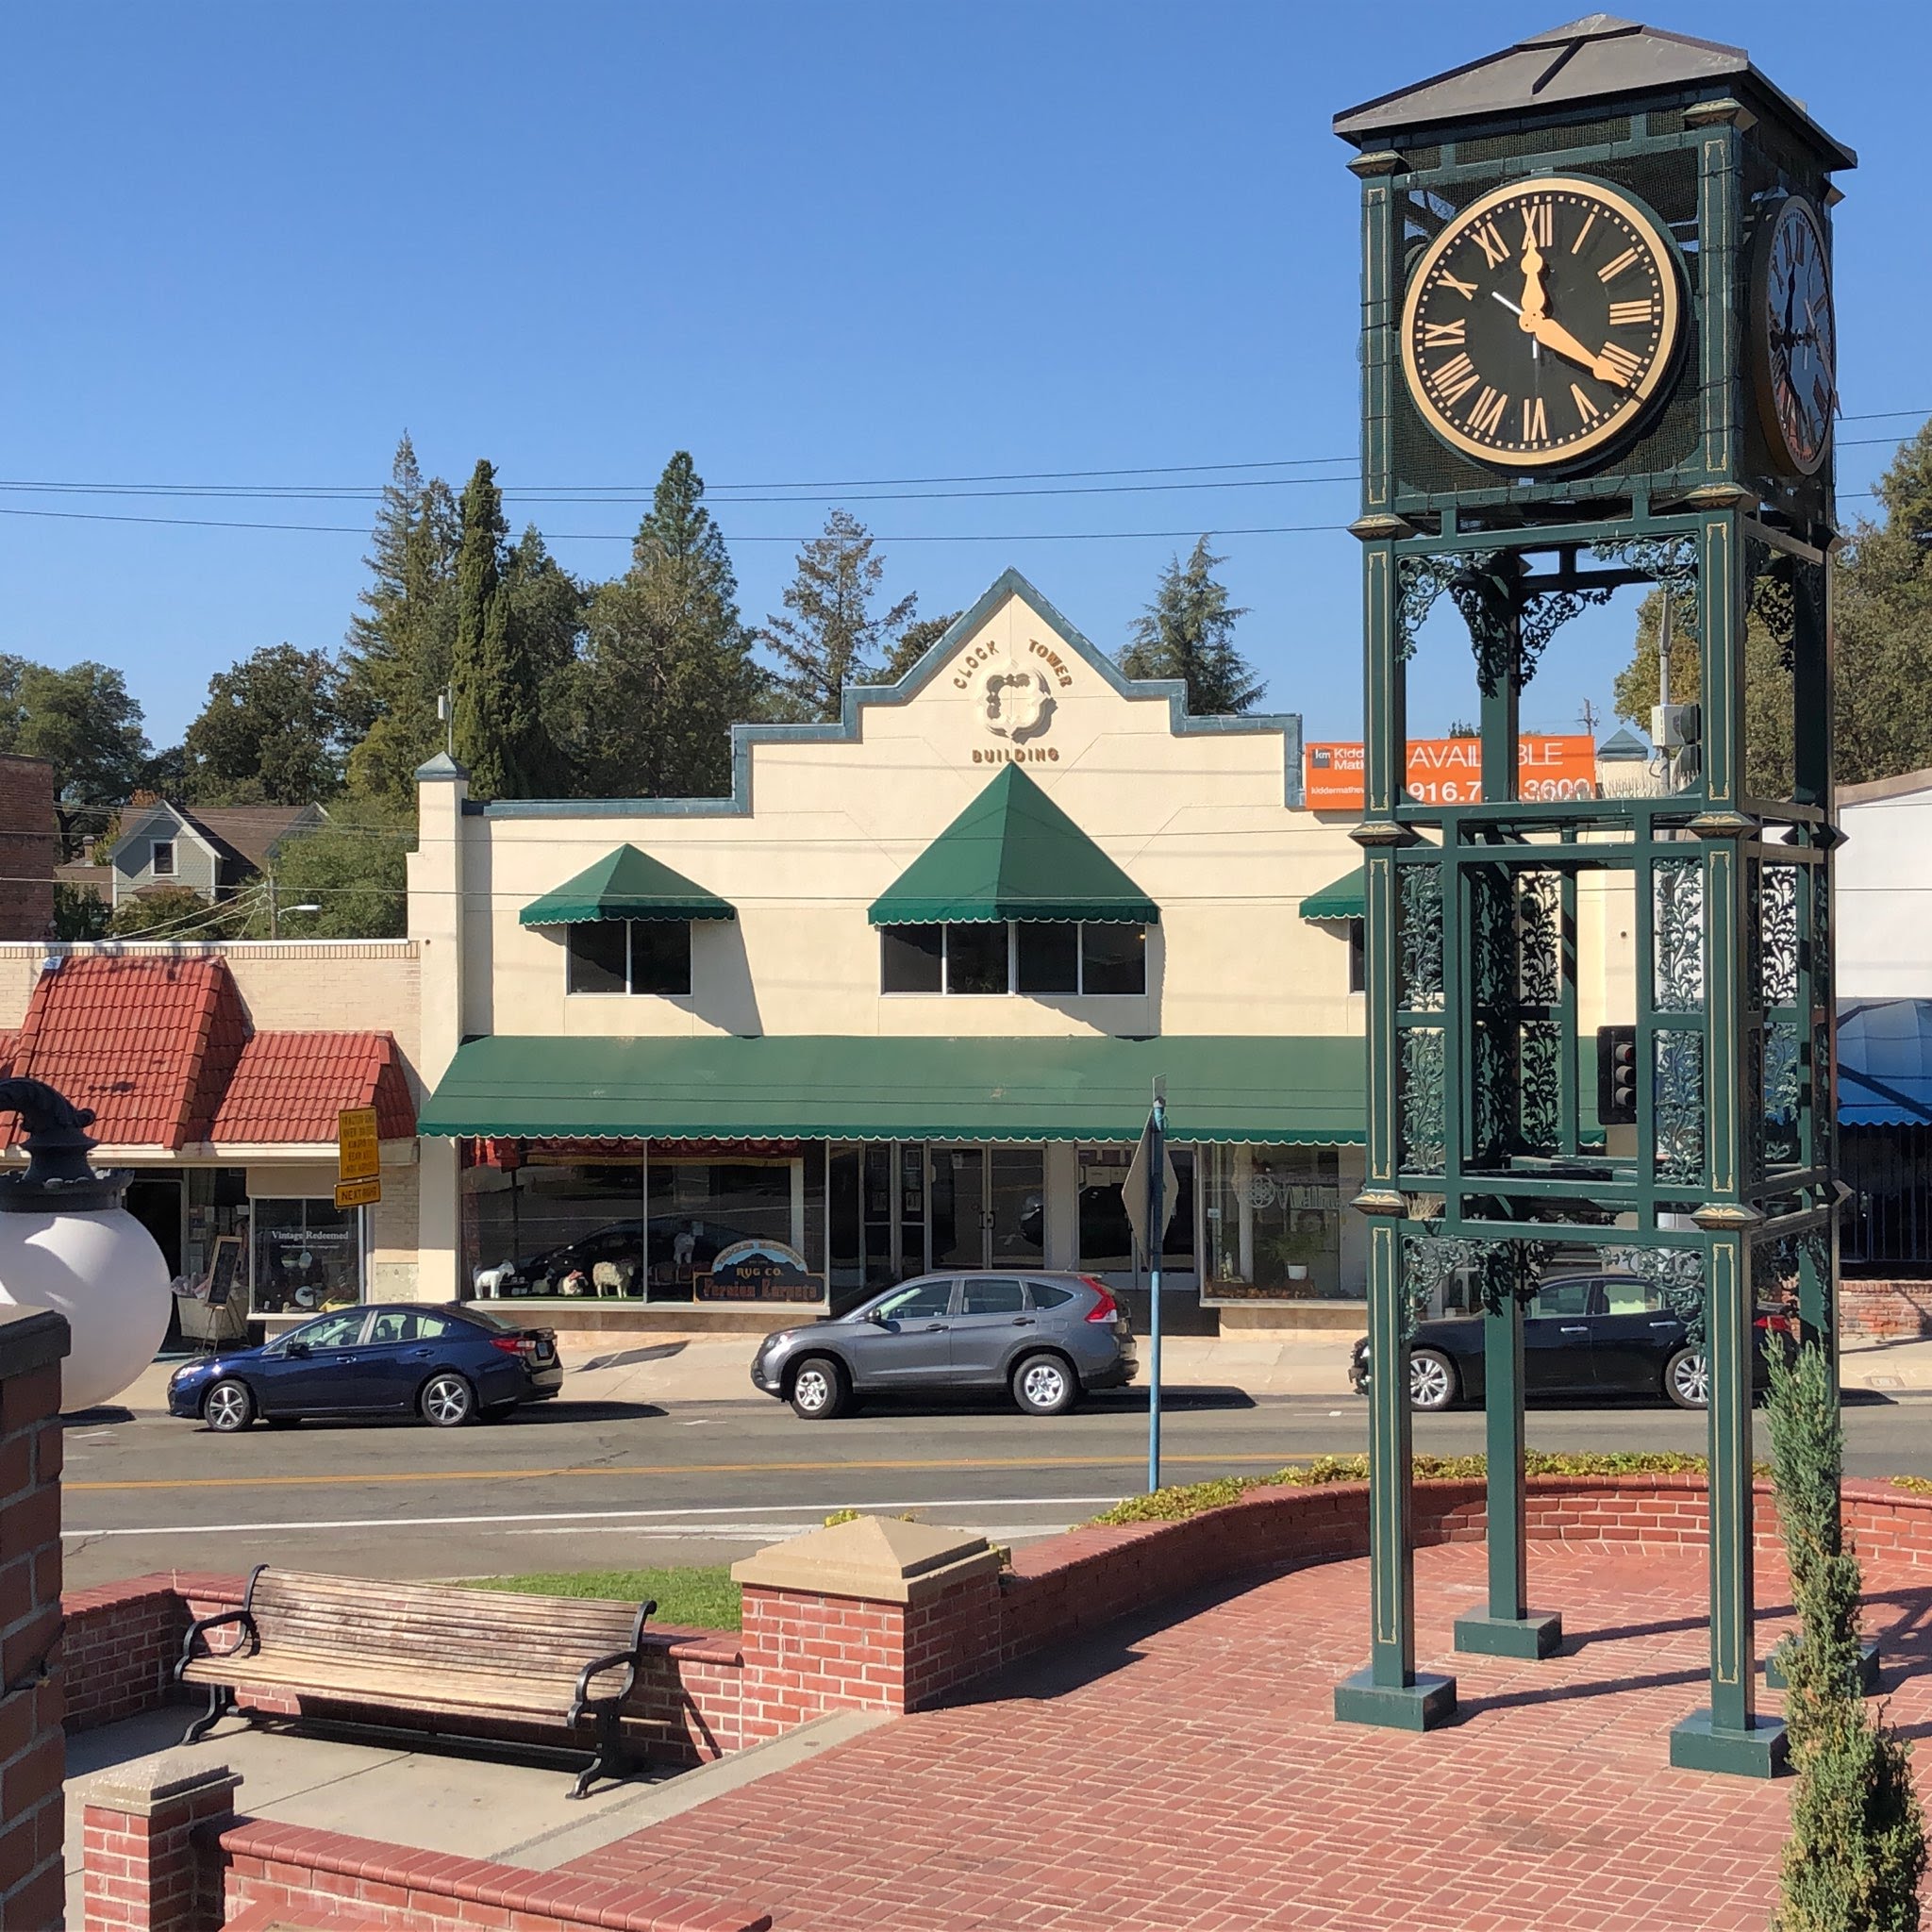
(736, 1532)
(808, 1512)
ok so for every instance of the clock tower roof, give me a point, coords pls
(1595, 59)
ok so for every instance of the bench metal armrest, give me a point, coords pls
(627, 1659)
(200, 1627)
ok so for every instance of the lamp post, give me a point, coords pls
(275, 909)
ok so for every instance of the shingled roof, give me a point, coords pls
(161, 1050)
(1585, 61)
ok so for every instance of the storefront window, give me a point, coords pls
(541, 1224)
(700, 1207)
(1274, 1223)
(1106, 1243)
(307, 1256)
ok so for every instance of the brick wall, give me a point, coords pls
(32, 1752)
(29, 848)
(1889, 1309)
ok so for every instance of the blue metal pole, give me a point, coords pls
(1157, 1224)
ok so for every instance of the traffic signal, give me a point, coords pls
(1616, 1076)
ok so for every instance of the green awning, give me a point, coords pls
(1346, 898)
(626, 884)
(1013, 854)
(813, 1087)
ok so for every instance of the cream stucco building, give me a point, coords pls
(897, 1002)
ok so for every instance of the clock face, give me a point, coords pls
(1540, 323)
(1797, 340)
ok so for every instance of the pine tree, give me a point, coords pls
(495, 669)
(915, 640)
(1857, 1843)
(397, 662)
(1187, 633)
(668, 669)
(832, 638)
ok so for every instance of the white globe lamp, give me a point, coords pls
(67, 1244)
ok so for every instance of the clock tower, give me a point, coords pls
(1597, 351)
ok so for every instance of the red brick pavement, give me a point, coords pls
(1182, 1770)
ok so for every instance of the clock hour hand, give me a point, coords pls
(1553, 335)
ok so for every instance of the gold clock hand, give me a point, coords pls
(1553, 335)
(1535, 301)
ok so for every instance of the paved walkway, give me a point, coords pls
(1190, 1776)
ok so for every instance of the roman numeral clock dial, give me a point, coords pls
(1541, 322)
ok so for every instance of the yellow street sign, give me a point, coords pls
(358, 1153)
(357, 1193)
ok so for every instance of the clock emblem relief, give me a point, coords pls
(1541, 322)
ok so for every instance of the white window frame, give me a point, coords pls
(156, 869)
(945, 990)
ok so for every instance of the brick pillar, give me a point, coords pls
(148, 1857)
(29, 844)
(32, 1753)
(868, 1615)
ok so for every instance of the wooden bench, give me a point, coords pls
(426, 1649)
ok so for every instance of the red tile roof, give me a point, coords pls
(162, 1051)
(148, 1044)
(291, 1085)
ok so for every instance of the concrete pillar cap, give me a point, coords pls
(157, 1784)
(875, 1557)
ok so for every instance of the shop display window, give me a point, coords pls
(1106, 1242)
(1274, 1218)
(307, 1256)
(701, 1206)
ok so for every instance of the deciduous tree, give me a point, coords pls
(270, 733)
(84, 723)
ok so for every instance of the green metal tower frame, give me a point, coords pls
(1483, 1147)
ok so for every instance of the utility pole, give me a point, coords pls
(1589, 718)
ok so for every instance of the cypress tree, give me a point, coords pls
(500, 731)
(1857, 1843)
(1187, 633)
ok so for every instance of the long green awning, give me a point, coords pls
(1345, 898)
(626, 884)
(1013, 854)
(825, 1087)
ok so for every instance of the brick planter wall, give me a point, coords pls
(32, 1752)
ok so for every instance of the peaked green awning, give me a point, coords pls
(1013, 854)
(1345, 898)
(873, 1087)
(626, 884)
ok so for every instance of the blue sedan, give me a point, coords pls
(447, 1364)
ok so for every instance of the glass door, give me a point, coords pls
(957, 1207)
(1017, 1208)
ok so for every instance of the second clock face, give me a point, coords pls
(1540, 323)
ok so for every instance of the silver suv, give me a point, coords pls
(1045, 1337)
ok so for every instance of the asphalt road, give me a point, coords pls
(582, 1486)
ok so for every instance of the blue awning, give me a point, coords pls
(1885, 1063)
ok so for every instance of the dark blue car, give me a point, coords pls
(448, 1364)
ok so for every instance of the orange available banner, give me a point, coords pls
(1448, 771)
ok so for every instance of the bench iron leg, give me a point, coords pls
(611, 1760)
(221, 1701)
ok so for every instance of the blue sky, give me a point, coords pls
(248, 245)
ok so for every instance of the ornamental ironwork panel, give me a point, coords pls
(1677, 1105)
(1779, 1096)
(1677, 972)
(1418, 937)
(1777, 928)
(1678, 1275)
(1540, 1072)
(1423, 1127)
(1538, 932)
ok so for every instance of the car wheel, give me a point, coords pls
(1431, 1379)
(1687, 1378)
(228, 1408)
(819, 1389)
(1045, 1385)
(447, 1401)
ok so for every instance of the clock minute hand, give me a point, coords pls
(1553, 335)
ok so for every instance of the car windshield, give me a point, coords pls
(327, 1331)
